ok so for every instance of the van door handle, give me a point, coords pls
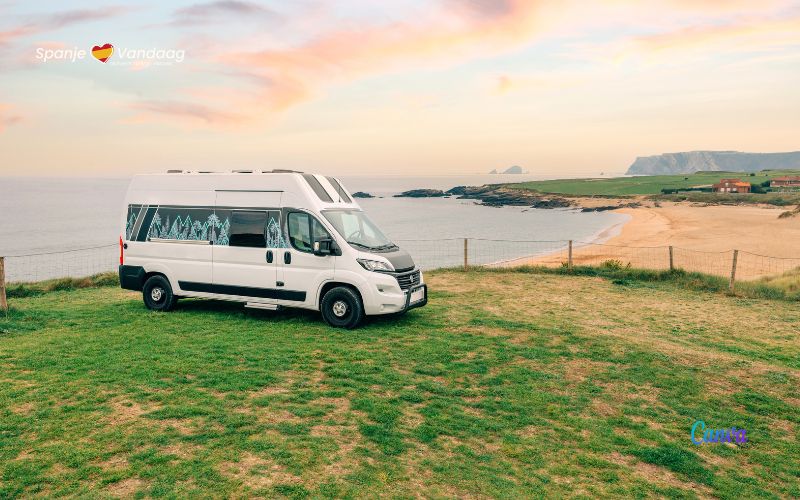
(287, 257)
(269, 256)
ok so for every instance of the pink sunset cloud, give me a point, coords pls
(454, 32)
(8, 116)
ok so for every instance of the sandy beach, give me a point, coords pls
(702, 237)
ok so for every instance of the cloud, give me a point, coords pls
(8, 117)
(183, 111)
(281, 78)
(758, 33)
(205, 13)
(298, 72)
(51, 22)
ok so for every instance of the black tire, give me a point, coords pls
(157, 294)
(342, 308)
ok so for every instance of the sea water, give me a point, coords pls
(53, 215)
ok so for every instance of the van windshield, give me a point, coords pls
(356, 228)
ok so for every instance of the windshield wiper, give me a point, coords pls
(360, 245)
(381, 247)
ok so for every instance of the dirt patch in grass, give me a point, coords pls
(126, 488)
(183, 426)
(654, 473)
(115, 462)
(124, 412)
(184, 451)
(23, 409)
(256, 473)
(577, 371)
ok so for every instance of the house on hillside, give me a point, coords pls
(787, 182)
(732, 186)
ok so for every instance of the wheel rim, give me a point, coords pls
(339, 308)
(157, 293)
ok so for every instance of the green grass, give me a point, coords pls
(509, 384)
(782, 287)
(17, 290)
(644, 185)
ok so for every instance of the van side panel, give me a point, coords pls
(170, 250)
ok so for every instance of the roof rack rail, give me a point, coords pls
(242, 171)
(282, 171)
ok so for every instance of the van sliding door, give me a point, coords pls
(244, 255)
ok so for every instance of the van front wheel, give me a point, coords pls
(157, 294)
(342, 308)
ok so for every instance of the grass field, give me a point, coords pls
(508, 384)
(642, 185)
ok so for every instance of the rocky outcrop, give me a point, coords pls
(362, 194)
(421, 193)
(499, 196)
(510, 170)
(702, 161)
(606, 208)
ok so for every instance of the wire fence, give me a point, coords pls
(457, 252)
(74, 263)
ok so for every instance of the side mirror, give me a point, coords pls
(324, 247)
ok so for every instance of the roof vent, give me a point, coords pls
(174, 171)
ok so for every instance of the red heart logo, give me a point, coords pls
(102, 53)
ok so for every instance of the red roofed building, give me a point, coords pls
(791, 181)
(731, 186)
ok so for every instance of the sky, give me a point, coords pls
(414, 87)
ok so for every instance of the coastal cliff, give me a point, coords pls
(701, 161)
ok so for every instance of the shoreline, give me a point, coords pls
(703, 238)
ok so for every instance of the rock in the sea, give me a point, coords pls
(516, 169)
(421, 193)
(362, 194)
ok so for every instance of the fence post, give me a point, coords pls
(732, 285)
(671, 259)
(466, 261)
(3, 301)
(569, 258)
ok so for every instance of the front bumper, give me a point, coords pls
(419, 303)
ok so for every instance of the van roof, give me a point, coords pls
(298, 188)
(235, 171)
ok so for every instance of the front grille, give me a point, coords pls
(408, 280)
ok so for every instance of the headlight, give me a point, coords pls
(375, 265)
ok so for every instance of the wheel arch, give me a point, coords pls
(330, 285)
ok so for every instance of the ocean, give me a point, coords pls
(59, 214)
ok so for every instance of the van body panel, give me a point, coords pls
(246, 270)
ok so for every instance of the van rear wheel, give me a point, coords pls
(157, 294)
(342, 308)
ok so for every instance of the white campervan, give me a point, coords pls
(268, 239)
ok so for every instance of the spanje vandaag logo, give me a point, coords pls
(701, 435)
(123, 56)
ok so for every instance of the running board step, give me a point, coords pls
(258, 305)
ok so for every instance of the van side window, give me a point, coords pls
(179, 223)
(248, 229)
(130, 222)
(304, 230)
(275, 237)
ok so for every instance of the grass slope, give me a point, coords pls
(642, 185)
(508, 384)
